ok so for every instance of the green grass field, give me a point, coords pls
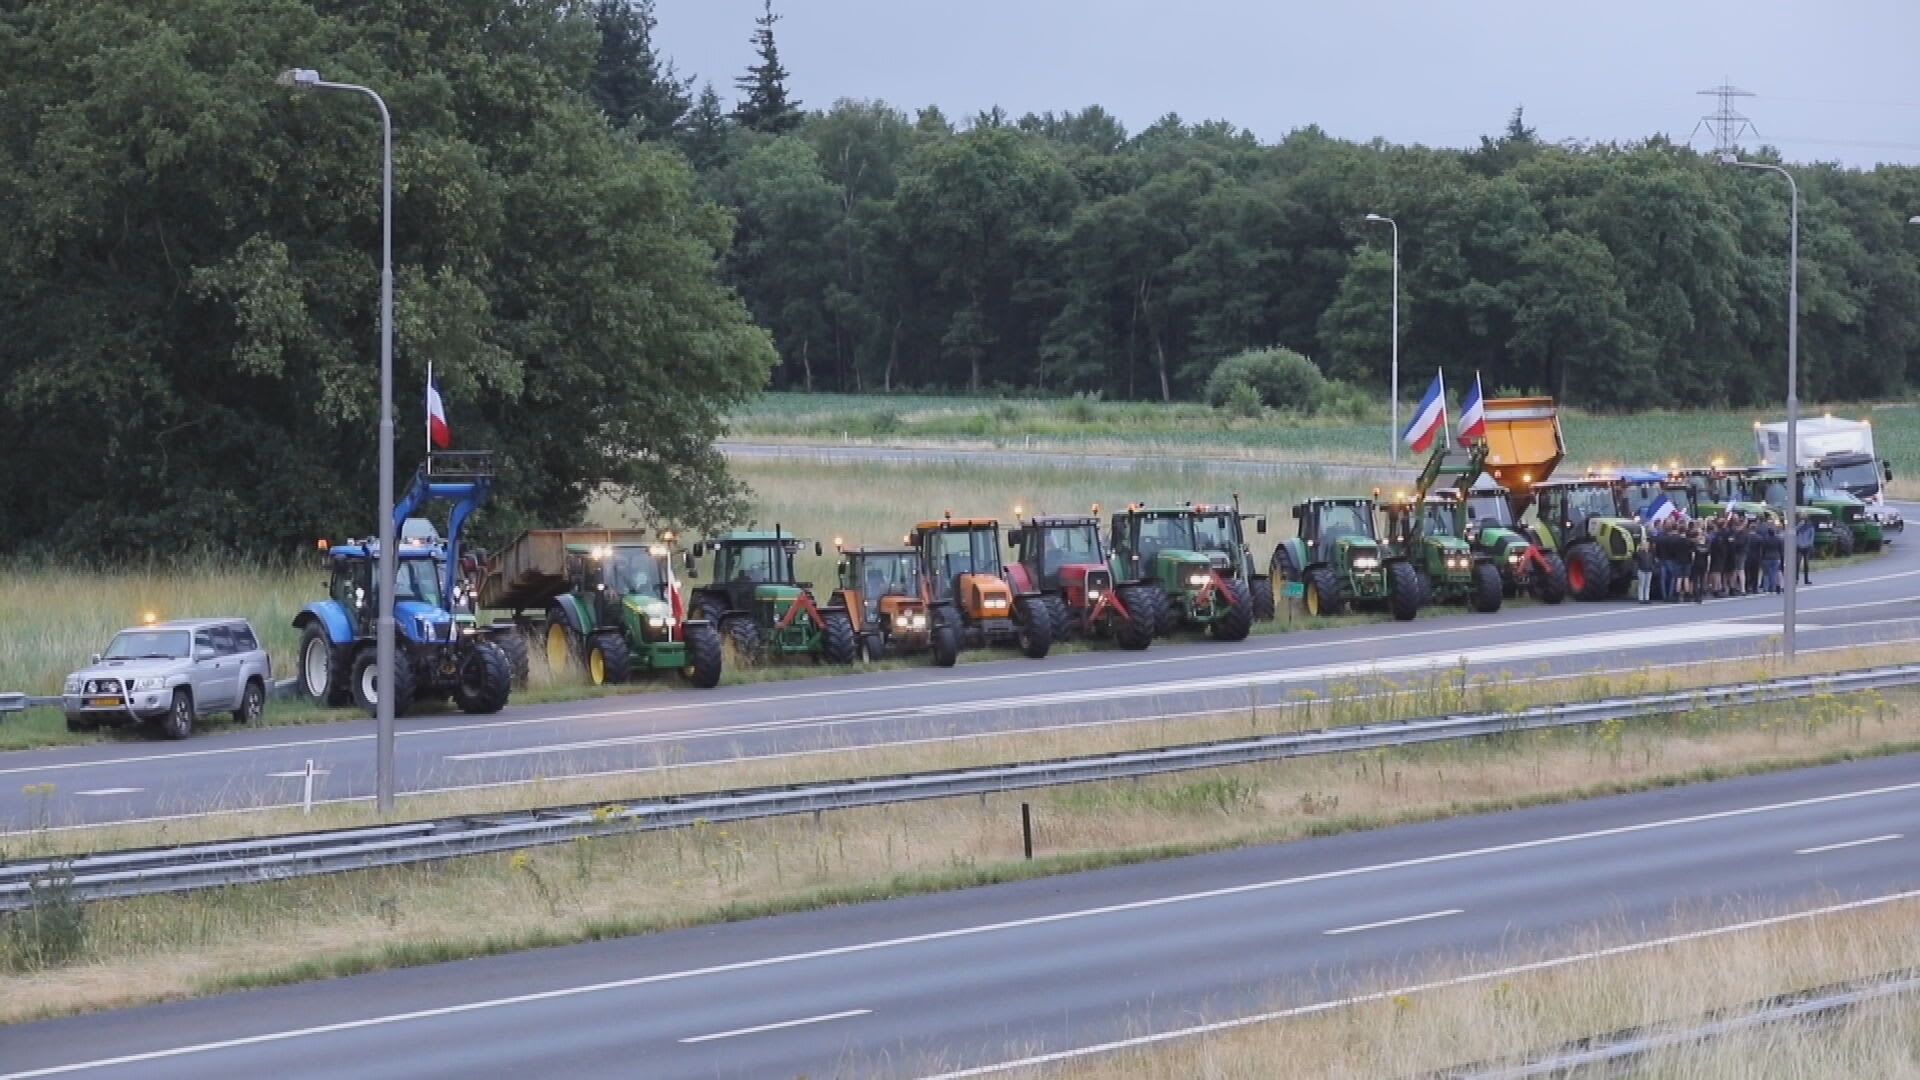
(1592, 439)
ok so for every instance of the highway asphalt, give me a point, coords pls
(974, 979)
(125, 779)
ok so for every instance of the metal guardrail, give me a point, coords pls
(1618, 1052)
(21, 702)
(198, 866)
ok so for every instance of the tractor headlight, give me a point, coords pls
(1093, 596)
(656, 622)
(913, 622)
(1513, 556)
(1365, 562)
(1196, 580)
(995, 603)
(151, 682)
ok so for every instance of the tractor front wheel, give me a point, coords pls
(1588, 573)
(836, 638)
(1550, 579)
(1263, 607)
(1033, 627)
(1236, 622)
(1144, 603)
(1403, 591)
(1062, 620)
(873, 647)
(320, 674)
(946, 643)
(740, 632)
(608, 658)
(1323, 592)
(563, 645)
(703, 656)
(485, 680)
(366, 681)
(1488, 591)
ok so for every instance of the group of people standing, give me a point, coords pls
(1729, 555)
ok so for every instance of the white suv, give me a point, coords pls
(172, 672)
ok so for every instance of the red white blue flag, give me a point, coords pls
(1473, 414)
(1429, 419)
(438, 436)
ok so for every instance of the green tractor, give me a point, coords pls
(762, 608)
(1161, 546)
(1338, 559)
(1585, 522)
(1221, 527)
(603, 603)
(1427, 533)
(1841, 523)
(1484, 518)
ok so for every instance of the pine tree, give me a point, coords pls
(704, 137)
(637, 88)
(764, 105)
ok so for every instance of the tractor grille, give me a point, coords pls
(1100, 580)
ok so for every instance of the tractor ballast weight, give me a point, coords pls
(604, 602)
(966, 586)
(1062, 558)
(1337, 557)
(761, 607)
(883, 590)
(1203, 590)
(440, 650)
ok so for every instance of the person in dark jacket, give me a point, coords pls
(1697, 539)
(1771, 553)
(1803, 542)
(1737, 544)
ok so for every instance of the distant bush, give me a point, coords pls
(1244, 400)
(1080, 407)
(1280, 378)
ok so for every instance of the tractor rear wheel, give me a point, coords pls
(703, 656)
(485, 680)
(946, 643)
(1588, 573)
(1323, 592)
(513, 643)
(1237, 621)
(1426, 585)
(1403, 591)
(1033, 627)
(1144, 604)
(1550, 579)
(1262, 589)
(740, 632)
(563, 645)
(836, 638)
(1488, 591)
(609, 660)
(321, 677)
(366, 681)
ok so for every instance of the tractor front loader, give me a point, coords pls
(1424, 528)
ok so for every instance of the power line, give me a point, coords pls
(1725, 124)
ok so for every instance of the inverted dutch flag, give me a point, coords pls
(438, 435)
(1473, 414)
(1429, 418)
(1659, 510)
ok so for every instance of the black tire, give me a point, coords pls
(253, 703)
(740, 632)
(562, 646)
(946, 643)
(1237, 622)
(1323, 592)
(704, 656)
(1263, 606)
(485, 680)
(519, 653)
(837, 645)
(1588, 573)
(365, 681)
(323, 677)
(1488, 592)
(1033, 627)
(608, 660)
(1063, 623)
(178, 723)
(1143, 604)
(1167, 620)
(1842, 540)
(82, 724)
(1403, 591)
(711, 609)
(1426, 585)
(1550, 582)
(873, 647)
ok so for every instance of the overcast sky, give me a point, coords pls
(1838, 80)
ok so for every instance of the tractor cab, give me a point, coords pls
(1487, 506)
(627, 584)
(1058, 550)
(874, 574)
(963, 568)
(959, 552)
(1328, 523)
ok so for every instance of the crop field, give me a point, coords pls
(1592, 439)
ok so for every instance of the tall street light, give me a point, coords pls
(1393, 392)
(1792, 550)
(309, 79)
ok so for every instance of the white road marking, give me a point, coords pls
(1383, 924)
(111, 791)
(1848, 844)
(297, 774)
(1418, 988)
(1018, 924)
(776, 1027)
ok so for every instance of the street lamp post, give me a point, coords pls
(309, 79)
(1791, 550)
(1393, 390)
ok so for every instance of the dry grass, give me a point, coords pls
(1415, 1024)
(168, 947)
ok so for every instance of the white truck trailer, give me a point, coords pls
(1841, 448)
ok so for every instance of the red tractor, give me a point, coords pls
(1062, 558)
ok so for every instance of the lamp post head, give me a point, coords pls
(1914, 220)
(1374, 217)
(305, 78)
(1729, 159)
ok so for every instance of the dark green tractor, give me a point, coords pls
(1427, 534)
(1338, 559)
(1848, 525)
(1160, 545)
(1222, 527)
(1585, 523)
(1484, 518)
(762, 608)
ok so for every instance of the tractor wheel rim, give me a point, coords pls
(556, 646)
(597, 666)
(1577, 576)
(315, 667)
(370, 683)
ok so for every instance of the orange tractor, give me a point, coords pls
(966, 586)
(883, 590)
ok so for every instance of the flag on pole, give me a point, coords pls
(437, 433)
(1429, 419)
(1473, 414)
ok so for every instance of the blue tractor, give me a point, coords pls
(440, 650)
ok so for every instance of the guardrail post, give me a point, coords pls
(306, 796)
(1026, 829)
